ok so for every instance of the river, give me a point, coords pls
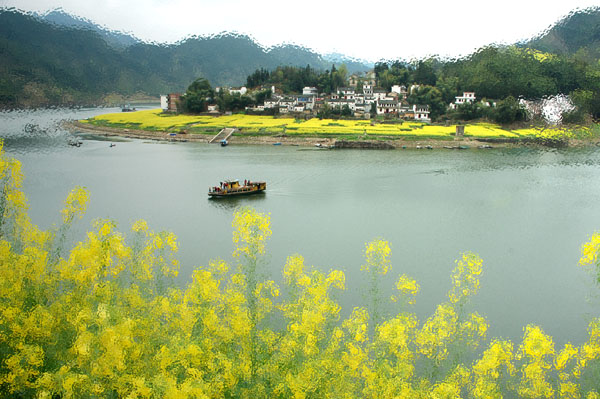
(526, 212)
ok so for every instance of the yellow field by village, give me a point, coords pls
(254, 124)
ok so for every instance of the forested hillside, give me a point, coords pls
(59, 59)
(41, 64)
(577, 34)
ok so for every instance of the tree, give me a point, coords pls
(448, 86)
(469, 111)
(509, 111)
(398, 74)
(424, 73)
(346, 111)
(197, 97)
(261, 96)
(429, 95)
(379, 68)
(587, 98)
(324, 112)
(233, 102)
(338, 76)
(257, 78)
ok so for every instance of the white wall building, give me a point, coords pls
(401, 90)
(421, 113)
(379, 94)
(467, 97)
(310, 90)
(164, 102)
(387, 107)
(272, 103)
(238, 90)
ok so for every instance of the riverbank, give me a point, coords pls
(250, 129)
(240, 138)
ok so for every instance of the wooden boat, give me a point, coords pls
(233, 187)
(224, 143)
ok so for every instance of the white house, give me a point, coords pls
(467, 97)
(347, 92)
(271, 103)
(379, 94)
(370, 99)
(401, 90)
(164, 102)
(368, 89)
(339, 104)
(286, 103)
(310, 90)
(421, 113)
(239, 90)
(362, 107)
(306, 100)
(387, 107)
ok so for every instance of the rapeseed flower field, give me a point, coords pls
(155, 120)
(105, 319)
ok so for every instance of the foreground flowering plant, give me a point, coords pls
(106, 319)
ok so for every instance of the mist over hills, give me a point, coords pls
(59, 59)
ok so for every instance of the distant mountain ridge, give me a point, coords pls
(285, 54)
(61, 18)
(576, 34)
(57, 58)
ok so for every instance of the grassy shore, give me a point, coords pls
(155, 120)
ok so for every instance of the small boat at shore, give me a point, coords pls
(233, 188)
(128, 108)
(224, 143)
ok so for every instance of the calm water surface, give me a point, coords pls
(526, 212)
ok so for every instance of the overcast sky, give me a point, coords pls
(369, 30)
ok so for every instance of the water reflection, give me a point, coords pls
(97, 137)
(230, 204)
